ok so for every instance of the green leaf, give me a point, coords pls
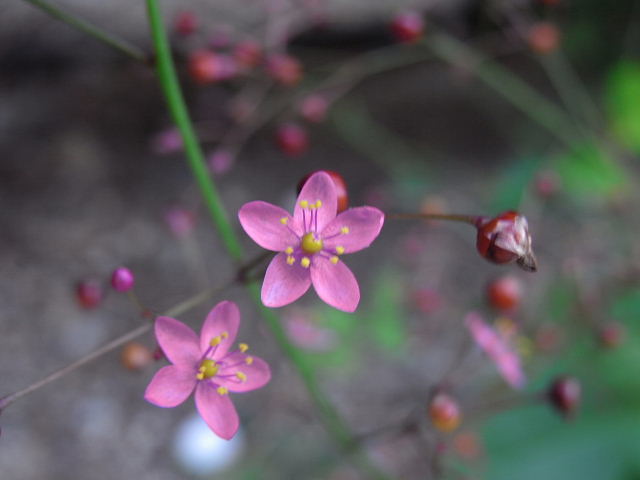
(623, 102)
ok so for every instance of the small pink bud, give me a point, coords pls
(247, 53)
(314, 108)
(122, 279)
(444, 412)
(285, 69)
(180, 220)
(505, 239)
(407, 27)
(167, 141)
(543, 37)
(564, 395)
(505, 293)
(135, 356)
(185, 23)
(292, 139)
(220, 161)
(206, 67)
(89, 293)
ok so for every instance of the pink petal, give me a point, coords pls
(262, 222)
(284, 283)
(364, 224)
(483, 334)
(178, 342)
(335, 284)
(509, 366)
(257, 374)
(223, 318)
(217, 410)
(319, 186)
(170, 386)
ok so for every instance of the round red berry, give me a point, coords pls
(292, 139)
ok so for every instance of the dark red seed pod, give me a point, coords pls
(565, 394)
(89, 293)
(292, 139)
(340, 184)
(407, 27)
(505, 293)
(444, 412)
(506, 239)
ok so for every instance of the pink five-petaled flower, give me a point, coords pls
(207, 365)
(310, 244)
(506, 360)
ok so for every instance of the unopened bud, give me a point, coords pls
(444, 412)
(339, 184)
(505, 239)
(285, 69)
(89, 293)
(505, 293)
(122, 279)
(407, 27)
(135, 356)
(292, 139)
(564, 394)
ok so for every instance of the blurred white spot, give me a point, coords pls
(201, 452)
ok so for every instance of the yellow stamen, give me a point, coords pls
(310, 244)
(215, 341)
(248, 360)
(225, 334)
(334, 259)
(305, 262)
(318, 204)
(344, 230)
(288, 250)
(222, 390)
(200, 376)
(304, 204)
(284, 220)
(241, 376)
(243, 347)
(291, 260)
(208, 368)
(339, 250)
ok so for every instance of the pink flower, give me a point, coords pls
(208, 366)
(506, 360)
(310, 244)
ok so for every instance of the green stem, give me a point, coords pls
(177, 107)
(166, 72)
(505, 83)
(90, 29)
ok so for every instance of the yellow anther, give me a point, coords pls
(284, 220)
(318, 204)
(241, 376)
(291, 260)
(339, 250)
(248, 360)
(344, 230)
(288, 250)
(200, 376)
(222, 390)
(243, 347)
(334, 259)
(305, 262)
(304, 204)
(215, 341)
(225, 334)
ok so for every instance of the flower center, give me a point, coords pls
(310, 244)
(208, 368)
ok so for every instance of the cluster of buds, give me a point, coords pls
(89, 293)
(505, 239)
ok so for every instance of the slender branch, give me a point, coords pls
(471, 219)
(537, 107)
(86, 27)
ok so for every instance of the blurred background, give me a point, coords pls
(472, 107)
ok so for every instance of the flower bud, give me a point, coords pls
(564, 395)
(89, 293)
(543, 37)
(505, 239)
(122, 279)
(285, 69)
(313, 108)
(444, 412)
(407, 27)
(220, 161)
(247, 53)
(185, 23)
(209, 67)
(135, 356)
(505, 293)
(338, 182)
(292, 139)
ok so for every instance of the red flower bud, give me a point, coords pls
(209, 67)
(292, 139)
(444, 412)
(505, 239)
(285, 69)
(338, 182)
(89, 293)
(505, 293)
(135, 356)
(407, 27)
(564, 395)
